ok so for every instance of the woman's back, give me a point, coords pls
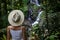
(16, 34)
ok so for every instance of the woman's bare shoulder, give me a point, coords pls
(9, 27)
(23, 27)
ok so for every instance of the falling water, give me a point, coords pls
(35, 2)
(38, 19)
(30, 11)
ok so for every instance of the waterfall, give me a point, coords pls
(30, 11)
(34, 2)
(38, 19)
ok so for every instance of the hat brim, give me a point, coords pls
(21, 19)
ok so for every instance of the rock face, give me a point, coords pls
(27, 23)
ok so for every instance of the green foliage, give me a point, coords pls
(35, 31)
(4, 37)
(52, 16)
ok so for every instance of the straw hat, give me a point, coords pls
(16, 17)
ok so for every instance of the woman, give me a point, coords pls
(16, 31)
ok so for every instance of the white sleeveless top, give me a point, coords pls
(16, 34)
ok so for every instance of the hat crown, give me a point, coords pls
(16, 17)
